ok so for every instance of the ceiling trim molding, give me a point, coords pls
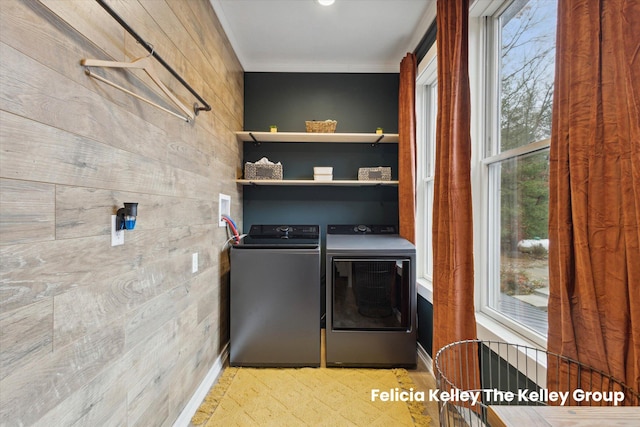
(219, 10)
(314, 67)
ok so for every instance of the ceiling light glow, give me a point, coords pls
(326, 2)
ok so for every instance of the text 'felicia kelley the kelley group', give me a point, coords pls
(473, 397)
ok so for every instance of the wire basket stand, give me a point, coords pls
(473, 374)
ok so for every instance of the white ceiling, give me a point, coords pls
(363, 36)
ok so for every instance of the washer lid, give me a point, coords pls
(285, 231)
(281, 236)
(369, 244)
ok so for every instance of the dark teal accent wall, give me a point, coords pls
(425, 325)
(497, 373)
(359, 102)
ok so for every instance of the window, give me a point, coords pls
(426, 111)
(520, 61)
(512, 63)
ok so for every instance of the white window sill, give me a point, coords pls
(425, 289)
(488, 329)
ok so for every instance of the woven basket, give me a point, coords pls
(380, 173)
(324, 126)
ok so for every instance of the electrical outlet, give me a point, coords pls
(117, 237)
(224, 208)
(194, 262)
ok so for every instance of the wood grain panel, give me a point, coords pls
(55, 267)
(25, 335)
(42, 153)
(177, 50)
(66, 369)
(23, 80)
(26, 211)
(208, 43)
(149, 391)
(180, 46)
(82, 212)
(91, 23)
(150, 316)
(91, 404)
(196, 14)
(33, 29)
(87, 117)
(163, 353)
(83, 118)
(94, 334)
(85, 19)
(88, 308)
(60, 48)
(100, 403)
(31, 273)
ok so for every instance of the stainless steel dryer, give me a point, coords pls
(371, 297)
(275, 297)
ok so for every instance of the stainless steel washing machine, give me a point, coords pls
(370, 296)
(275, 297)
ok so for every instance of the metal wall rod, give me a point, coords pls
(150, 49)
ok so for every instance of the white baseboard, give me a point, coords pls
(194, 403)
(422, 354)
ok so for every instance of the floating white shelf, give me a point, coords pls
(345, 183)
(367, 138)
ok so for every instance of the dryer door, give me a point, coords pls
(371, 293)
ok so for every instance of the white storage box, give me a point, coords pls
(323, 177)
(323, 173)
(323, 170)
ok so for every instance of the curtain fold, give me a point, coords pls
(407, 147)
(594, 218)
(453, 295)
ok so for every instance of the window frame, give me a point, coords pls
(426, 112)
(488, 144)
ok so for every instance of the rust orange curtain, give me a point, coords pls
(594, 218)
(453, 308)
(407, 147)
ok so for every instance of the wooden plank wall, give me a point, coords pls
(92, 334)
